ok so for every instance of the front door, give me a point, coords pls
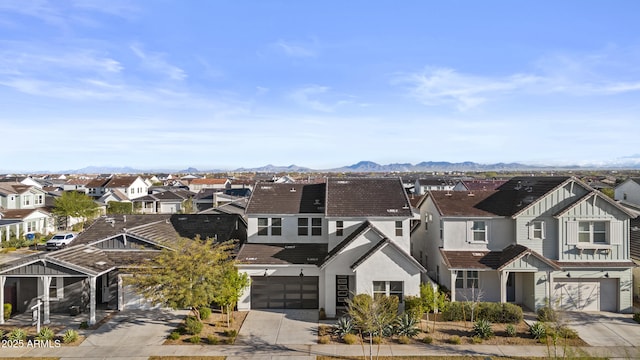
(105, 288)
(511, 287)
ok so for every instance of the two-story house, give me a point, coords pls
(533, 241)
(22, 210)
(423, 185)
(314, 245)
(628, 191)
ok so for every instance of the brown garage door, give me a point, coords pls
(284, 292)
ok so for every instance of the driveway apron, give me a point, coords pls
(279, 327)
(604, 328)
(135, 327)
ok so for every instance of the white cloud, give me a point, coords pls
(307, 97)
(294, 50)
(156, 62)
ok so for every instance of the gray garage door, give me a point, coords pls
(284, 292)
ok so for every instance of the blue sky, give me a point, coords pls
(229, 84)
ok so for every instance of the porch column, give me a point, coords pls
(504, 276)
(454, 275)
(92, 300)
(2, 281)
(8, 237)
(46, 285)
(550, 289)
(120, 293)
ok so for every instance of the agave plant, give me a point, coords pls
(343, 327)
(406, 325)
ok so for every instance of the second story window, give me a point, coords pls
(479, 231)
(536, 230)
(303, 226)
(27, 200)
(263, 226)
(39, 200)
(265, 223)
(592, 232)
(339, 228)
(316, 226)
(398, 228)
(276, 226)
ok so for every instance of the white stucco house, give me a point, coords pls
(628, 191)
(533, 241)
(313, 246)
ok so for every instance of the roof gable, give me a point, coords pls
(382, 244)
(359, 231)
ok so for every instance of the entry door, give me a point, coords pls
(511, 287)
(105, 288)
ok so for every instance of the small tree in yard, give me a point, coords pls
(187, 277)
(433, 300)
(232, 286)
(372, 315)
(75, 204)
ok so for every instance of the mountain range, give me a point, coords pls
(362, 167)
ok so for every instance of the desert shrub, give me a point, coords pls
(406, 325)
(482, 328)
(350, 339)
(213, 340)
(636, 317)
(476, 339)
(343, 327)
(403, 339)
(324, 339)
(413, 307)
(546, 314)
(427, 339)
(511, 330)
(376, 340)
(17, 334)
(455, 340)
(230, 333)
(70, 336)
(511, 313)
(45, 334)
(538, 330)
(562, 332)
(7, 311)
(456, 311)
(1, 334)
(192, 325)
(175, 335)
(229, 340)
(205, 313)
(489, 311)
(194, 339)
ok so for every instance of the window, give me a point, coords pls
(441, 229)
(31, 226)
(537, 230)
(276, 226)
(339, 228)
(316, 226)
(56, 288)
(39, 200)
(388, 288)
(303, 226)
(592, 232)
(479, 231)
(27, 200)
(398, 228)
(467, 279)
(263, 226)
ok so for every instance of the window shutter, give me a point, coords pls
(544, 229)
(572, 232)
(469, 231)
(615, 232)
(530, 226)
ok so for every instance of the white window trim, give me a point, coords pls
(462, 275)
(470, 232)
(532, 229)
(387, 288)
(57, 282)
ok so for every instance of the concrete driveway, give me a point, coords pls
(135, 327)
(604, 328)
(279, 327)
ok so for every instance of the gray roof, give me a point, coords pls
(272, 198)
(367, 197)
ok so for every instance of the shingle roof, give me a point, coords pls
(16, 214)
(489, 260)
(13, 188)
(475, 185)
(271, 198)
(121, 181)
(367, 197)
(208, 181)
(281, 254)
(461, 203)
(97, 183)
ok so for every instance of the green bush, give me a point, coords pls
(538, 330)
(562, 332)
(213, 340)
(17, 334)
(1, 334)
(231, 333)
(192, 325)
(456, 311)
(406, 325)
(636, 317)
(546, 314)
(350, 339)
(476, 339)
(175, 335)
(8, 309)
(511, 313)
(84, 325)
(427, 339)
(194, 339)
(377, 340)
(343, 327)
(490, 311)
(70, 336)
(413, 307)
(455, 340)
(45, 334)
(403, 339)
(325, 339)
(482, 328)
(205, 313)
(511, 330)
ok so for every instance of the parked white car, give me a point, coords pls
(60, 241)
